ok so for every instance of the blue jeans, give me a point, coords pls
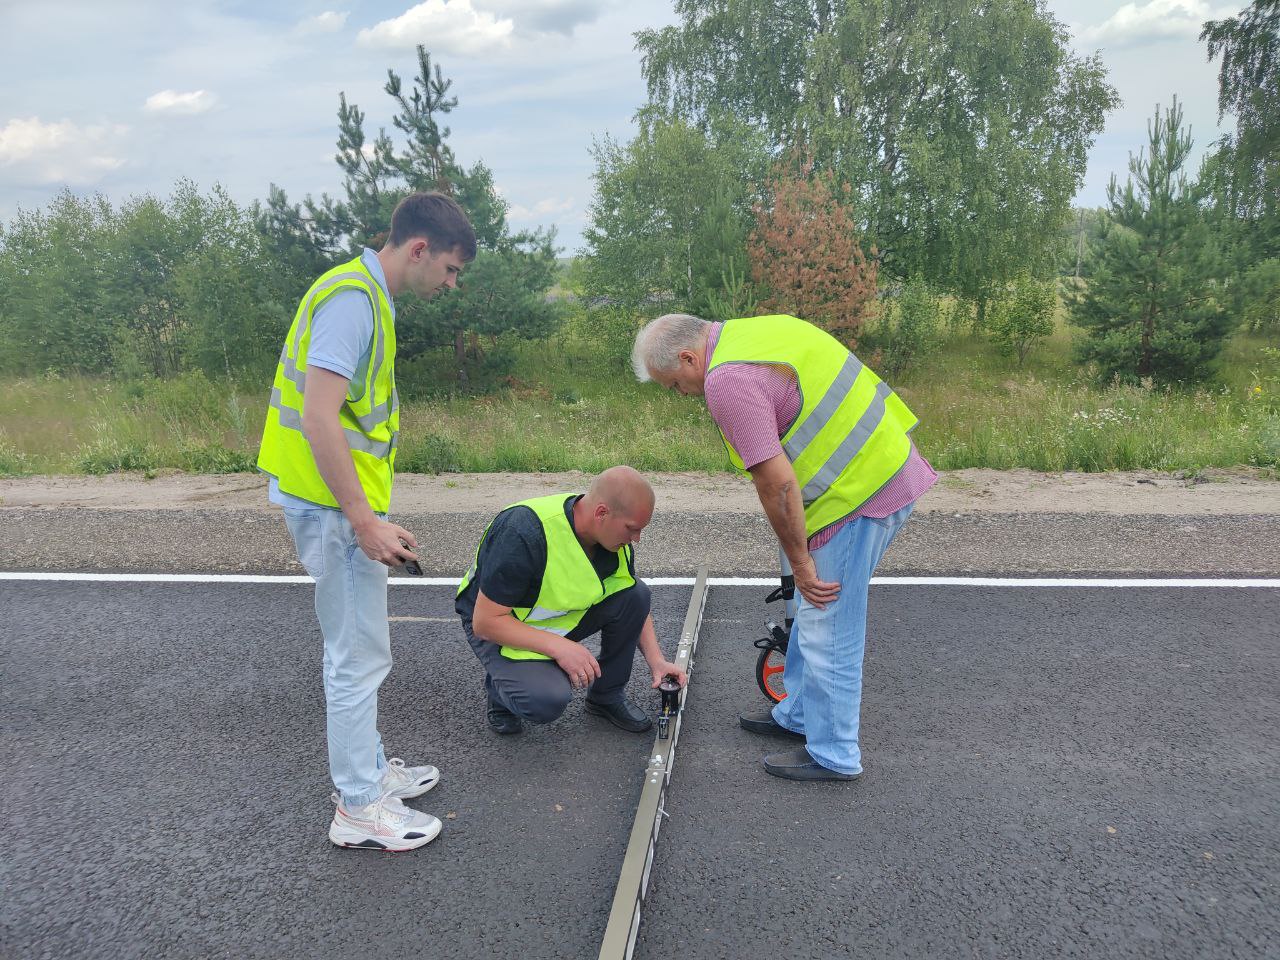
(351, 605)
(823, 674)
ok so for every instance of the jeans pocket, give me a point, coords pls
(307, 529)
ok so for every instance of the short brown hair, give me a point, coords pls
(436, 217)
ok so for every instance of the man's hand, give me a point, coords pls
(818, 592)
(779, 492)
(577, 662)
(666, 668)
(381, 541)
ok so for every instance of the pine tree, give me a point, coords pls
(1152, 309)
(503, 290)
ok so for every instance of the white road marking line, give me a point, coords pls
(1063, 582)
(422, 619)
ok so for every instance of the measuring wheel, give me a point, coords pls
(771, 663)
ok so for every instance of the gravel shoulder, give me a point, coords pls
(974, 521)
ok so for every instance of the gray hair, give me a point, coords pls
(659, 342)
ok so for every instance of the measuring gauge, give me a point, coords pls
(670, 690)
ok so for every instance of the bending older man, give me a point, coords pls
(827, 444)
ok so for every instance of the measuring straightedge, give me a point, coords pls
(633, 880)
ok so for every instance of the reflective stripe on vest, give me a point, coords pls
(356, 440)
(850, 435)
(369, 416)
(570, 585)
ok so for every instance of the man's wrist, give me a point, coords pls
(364, 521)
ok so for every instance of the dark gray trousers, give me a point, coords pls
(538, 690)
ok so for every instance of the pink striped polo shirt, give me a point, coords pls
(755, 404)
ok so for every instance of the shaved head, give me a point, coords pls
(615, 509)
(623, 490)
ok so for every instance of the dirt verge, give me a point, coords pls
(1211, 492)
(1220, 523)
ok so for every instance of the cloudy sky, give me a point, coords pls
(127, 96)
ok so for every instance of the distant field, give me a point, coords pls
(572, 403)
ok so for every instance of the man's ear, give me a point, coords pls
(419, 248)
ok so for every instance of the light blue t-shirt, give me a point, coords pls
(341, 341)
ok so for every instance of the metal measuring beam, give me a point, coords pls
(633, 880)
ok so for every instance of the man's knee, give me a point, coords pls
(545, 706)
(537, 702)
(636, 600)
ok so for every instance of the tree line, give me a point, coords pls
(950, 140)
(881, 167)
(157, 286)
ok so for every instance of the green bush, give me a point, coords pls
(1258, 297)
(1023, 319)
(601, 334)
(908, 331)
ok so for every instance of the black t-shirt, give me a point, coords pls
(513, 559)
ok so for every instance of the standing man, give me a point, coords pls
(827, 445)
(329, 446)
(550, 572)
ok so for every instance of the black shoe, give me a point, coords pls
(621, 714)
(796, 764)
(502, 720)
(764, 723)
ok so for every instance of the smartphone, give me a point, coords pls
(411, 567)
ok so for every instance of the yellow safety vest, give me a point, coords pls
(570, 584)
(370, 417)
(851, 434)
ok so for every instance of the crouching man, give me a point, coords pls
(548, 573)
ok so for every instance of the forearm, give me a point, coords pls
(648, 644)
(505, 630)
(333, 460)
(784, 508)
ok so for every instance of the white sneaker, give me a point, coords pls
(385, 824)
(405, 782)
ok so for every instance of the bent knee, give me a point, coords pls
(545, 707)
(639, 597)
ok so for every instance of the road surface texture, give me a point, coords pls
(1050, 773)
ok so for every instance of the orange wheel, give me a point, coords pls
(769, 667)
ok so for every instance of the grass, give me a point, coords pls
(85, 425)
(978, 411)
(572, 403)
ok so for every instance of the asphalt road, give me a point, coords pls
(165, 787)
(676, 543)
(1049, 773)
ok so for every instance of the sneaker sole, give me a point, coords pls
(356, 840)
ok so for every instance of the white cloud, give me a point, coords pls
(186, 104)
(61, 152)
(550, 207)
(444, 26)
(1133, 25)
(545, 16)
(331, 21)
